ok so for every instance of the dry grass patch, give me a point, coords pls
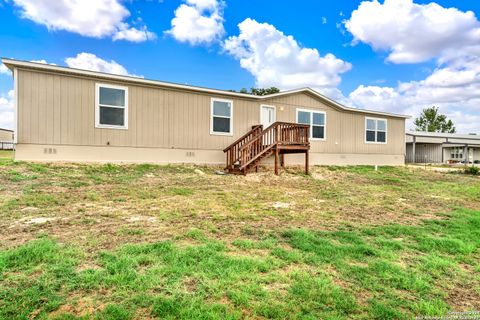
(148, 241)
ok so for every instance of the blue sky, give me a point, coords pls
(394, 55)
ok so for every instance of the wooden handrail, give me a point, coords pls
(233, 150)
(254, 128)
(258, 155)
(275, 125)
(258, 143)
(284, 133)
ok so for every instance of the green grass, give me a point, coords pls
(173, 281)
(146, 241)
(6, 154)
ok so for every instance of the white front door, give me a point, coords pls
(267, 115)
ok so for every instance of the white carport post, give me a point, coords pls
(413, 149)
(465, 154)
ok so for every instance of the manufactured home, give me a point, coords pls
(65, 114)
(6, 139)
(435, 147)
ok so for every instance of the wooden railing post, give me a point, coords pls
(249, 150)
(276, 134)
(276, 161)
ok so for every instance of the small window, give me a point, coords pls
(221, 117)
(457, 153)
(316, 121)
(375, 130)
(111, 107)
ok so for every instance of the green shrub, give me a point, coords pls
(472, 170)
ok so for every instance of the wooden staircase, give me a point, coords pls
(245, 154)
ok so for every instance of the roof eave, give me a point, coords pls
(12, 63)
(424, 134)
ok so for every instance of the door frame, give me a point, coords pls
(274, 112)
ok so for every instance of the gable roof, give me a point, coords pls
(3, 129)
(13, 63)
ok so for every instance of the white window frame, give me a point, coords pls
(97, 107)
(311, 111)
(376, 130)
(212, 100)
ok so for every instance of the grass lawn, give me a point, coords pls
(181, 242)
(6, 154)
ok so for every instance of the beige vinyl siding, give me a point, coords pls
(59, 109)
(345, 130)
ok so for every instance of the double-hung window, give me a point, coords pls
(111, 106)
(316, 120)
(221, 117)
(375, 130)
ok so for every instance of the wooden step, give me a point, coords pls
(260, 143)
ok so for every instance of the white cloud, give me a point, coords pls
(133, 34)
(413, 32)
(275, 59)
(97, 19)
(43, 61)
(86, 61)
(454, 88)
(89, 61)
(6, 110)
(4, 69)
(198, 22)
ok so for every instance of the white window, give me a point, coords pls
(457, 153)
(111, 106)
(221, 117)
(375, 130)
(316, 120)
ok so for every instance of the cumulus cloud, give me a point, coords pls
(454, 88)
(276, 59)
(198, 22)
(85, 61)
(97, 19)
(4, 69)
(413, 32)
(6, 110)
(89, 61)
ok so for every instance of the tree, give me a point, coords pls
(264, 91)
(431, 121)
(260, 91)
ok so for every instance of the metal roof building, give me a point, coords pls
(436, 147)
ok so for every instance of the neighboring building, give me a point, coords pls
(433, 147)
(76, 115)
(6, 139)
